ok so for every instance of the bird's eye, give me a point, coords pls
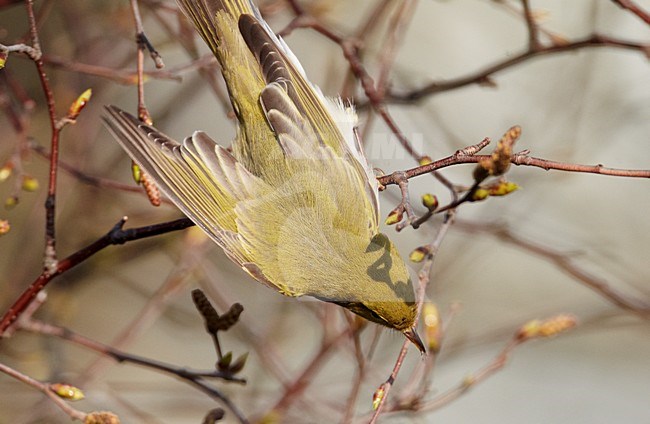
(364, 311)
(376, 316)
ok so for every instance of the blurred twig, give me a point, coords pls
(192, 252)
(482, 76)
(46, 389)
(50, 260)
(529, 331)
(564, 262)
(300, 383)
(634, 8)
(194, 377)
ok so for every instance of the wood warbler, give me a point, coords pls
(294, 202)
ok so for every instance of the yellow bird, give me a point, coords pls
(295, 204)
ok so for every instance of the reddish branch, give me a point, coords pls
(298, 386)
(517, 159)
(533, 29)
(117, 235)
(634, 8)
(142, 43)
(128, 76)
(50, 203)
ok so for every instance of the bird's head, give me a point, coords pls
(383, 291)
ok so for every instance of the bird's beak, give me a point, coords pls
(413, 336)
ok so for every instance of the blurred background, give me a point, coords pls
(585, 106)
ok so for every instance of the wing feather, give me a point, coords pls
(204, 184)
(329, 122)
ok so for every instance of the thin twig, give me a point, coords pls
(384, 389)
(564, 262)
(483, 75)
(141, 41)
(634, 8)
(130, 77)
(298, 386)
(45, 389)
(85, 178)
(363, 31)
(194, 377)
(360, 373)
(397, 26)
(533, 29)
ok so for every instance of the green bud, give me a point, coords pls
(419, 254)
(224, 362)
(503, 188)
(430, 201)
(11, 202)
(480, 194)
(30, 183)
(67, 391)
(378, 396)
(394, 217)
(136, 172)
(425, 160)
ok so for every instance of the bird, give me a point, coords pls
(293, 201)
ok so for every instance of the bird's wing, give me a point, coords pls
(252, 58)
(322, 121)
(203, 179)
(314, 219)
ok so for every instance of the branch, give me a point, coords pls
(85, 178)
(634, 8)
(298, 386)
(482, 76)
(194, 377)
(533, 29)
(46, 389)
(129, 77)
(564, 262)
(117, 235)
(521, 158)
(50, 261)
